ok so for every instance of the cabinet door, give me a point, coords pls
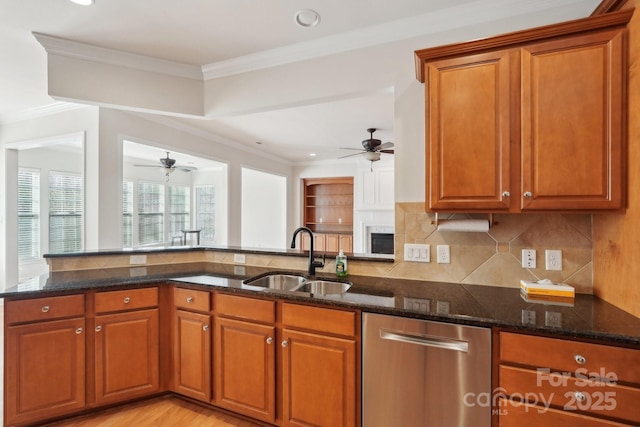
(192, 355)
(332, 243)
(346, 243)
(572, 123)
(127, 355)
(45, 370)
(245, 368)
(318, 380)
(469, 131)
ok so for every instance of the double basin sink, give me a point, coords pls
(291, 282)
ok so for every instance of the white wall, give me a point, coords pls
(264, 210)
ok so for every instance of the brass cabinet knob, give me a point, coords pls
(98, 328)
(205, 328)
(285, 343)
(79, 331)
(580, 359)
(45, 309)
(506, 194)
(528, 194)
(269, 340)
(189, 299)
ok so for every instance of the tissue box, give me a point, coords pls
(547, 287)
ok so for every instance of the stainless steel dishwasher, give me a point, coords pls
(420, 373)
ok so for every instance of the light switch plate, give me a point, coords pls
(417, 252)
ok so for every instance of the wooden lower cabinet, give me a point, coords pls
(319, 380)
(45, 370)
(558, 382)
(245, 368)
(328, 242)
(126, 355)
(192, 355)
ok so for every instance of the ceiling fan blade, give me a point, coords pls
(386, 151)
(148, 166)
(357, 149)
(185, 168)
(354, 154)
(384, 146)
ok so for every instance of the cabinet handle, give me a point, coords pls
(269, 340)
(45, 309)
(98, 328)
(284, 343)
(528, 194)
(127, 300)
(580, 359)
(189, 299)
(506, 194)
(78, 331)
(580, 396)
(205, 328)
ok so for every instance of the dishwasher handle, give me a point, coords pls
(425, 340)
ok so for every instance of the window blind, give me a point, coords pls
(179, 209)
(206, 213)
(65, 212)
(28, 214)
(150, 213)
(127, 214)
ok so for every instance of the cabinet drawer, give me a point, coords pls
(518, 414)
(245, 308)
(319, 319)
(191, 300)
(128, 299)
(604, 398)
(44, 308)
(568, 356)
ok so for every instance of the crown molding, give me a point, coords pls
(40, 111)
(58, 46)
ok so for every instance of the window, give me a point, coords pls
(179, 208)
(206, 213)
(127, 214)
(150, 213)
(65, 212)
(28, 214)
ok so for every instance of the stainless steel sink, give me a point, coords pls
(324, 287)
(291, 282)
(284, 282)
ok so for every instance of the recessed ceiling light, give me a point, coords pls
(83, 2)
(307, 18)
(312, 154)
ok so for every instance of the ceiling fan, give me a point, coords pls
(168, 165)
(371, 148)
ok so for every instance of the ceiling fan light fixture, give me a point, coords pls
(372, 156)
(307, 18)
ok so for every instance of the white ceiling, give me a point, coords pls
(220, 35)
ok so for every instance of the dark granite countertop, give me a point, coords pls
(586, 317)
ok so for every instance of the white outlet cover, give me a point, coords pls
(553, 259)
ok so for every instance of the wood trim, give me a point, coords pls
(514, 39)
(607, 6)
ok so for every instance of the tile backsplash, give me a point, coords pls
(494, 257)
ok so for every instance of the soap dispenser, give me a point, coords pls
(341, 264)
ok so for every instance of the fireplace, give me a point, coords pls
(379, 239)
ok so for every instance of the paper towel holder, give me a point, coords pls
(436, 220)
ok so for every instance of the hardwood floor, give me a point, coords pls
(168, 411)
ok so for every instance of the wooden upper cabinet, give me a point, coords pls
(572, 122)
(469, 116)
(528, 121)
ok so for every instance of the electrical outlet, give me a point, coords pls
(239, 259)
(553, 319)
(444, 257)
(528, 258)
(417, 252)
(528, 317)
(553, 259)
(443, 307)
(137, 259)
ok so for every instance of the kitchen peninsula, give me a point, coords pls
(201, 292)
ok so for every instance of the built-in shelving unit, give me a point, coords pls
(328, 212)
